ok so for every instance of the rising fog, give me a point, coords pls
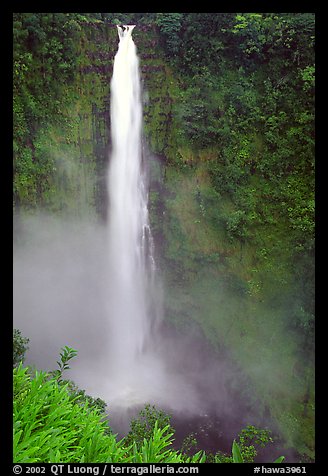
(62, 297)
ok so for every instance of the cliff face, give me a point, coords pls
(76, 141)
(61, 167)
(239, 291)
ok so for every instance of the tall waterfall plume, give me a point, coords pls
(131, 259)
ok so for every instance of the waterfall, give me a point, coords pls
(138, 370)
(131, 260)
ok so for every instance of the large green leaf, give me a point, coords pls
(236, 454)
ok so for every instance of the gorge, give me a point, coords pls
(226, 164)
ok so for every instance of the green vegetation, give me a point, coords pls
(143, 426)
(52, 424)
(60, 112)
(238, 227)
(229, 109)
(20, 347)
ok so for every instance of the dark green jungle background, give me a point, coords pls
(229, 136)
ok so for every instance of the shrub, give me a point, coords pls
(143, 426)
(19, 347)
(51, 425)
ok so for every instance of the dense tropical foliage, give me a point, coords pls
(229, 113)
(53, 424)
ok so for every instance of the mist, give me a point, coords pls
(62, 297)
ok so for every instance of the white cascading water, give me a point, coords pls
(130, 242)
(137, 367)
